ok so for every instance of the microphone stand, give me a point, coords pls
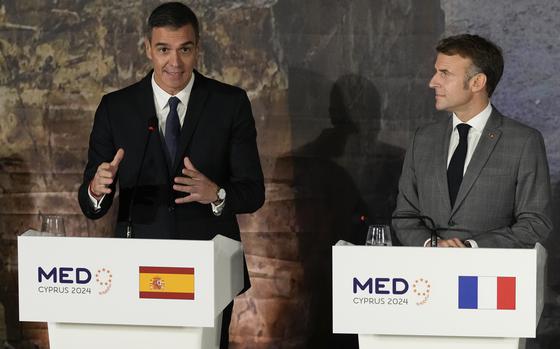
(152, 126)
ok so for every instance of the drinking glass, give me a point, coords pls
(53, 225)
(378, 235)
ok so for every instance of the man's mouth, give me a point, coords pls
(173, 73)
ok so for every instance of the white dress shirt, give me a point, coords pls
(161, 102)
(477, 123)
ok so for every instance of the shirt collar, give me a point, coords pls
(162, 97)
(478, 122)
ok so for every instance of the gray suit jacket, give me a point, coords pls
(504, 199)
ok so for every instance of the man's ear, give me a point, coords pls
(197, 51)
(148, 47)
(478, 82)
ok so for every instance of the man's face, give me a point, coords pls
(453, 90)
(173, 52)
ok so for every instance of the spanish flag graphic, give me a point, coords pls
(166, 282)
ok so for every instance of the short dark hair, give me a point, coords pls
(172, 14)
(486, 56)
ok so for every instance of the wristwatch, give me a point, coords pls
(218, 205)
(221, 193)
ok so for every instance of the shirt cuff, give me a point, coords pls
(94, 202)
(217, 209)
(472, 243)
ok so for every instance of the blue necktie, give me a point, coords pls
(172, 128)
(457, 163)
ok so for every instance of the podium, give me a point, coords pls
(417, 297)
(128, 293)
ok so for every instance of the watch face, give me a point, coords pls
(221, 194)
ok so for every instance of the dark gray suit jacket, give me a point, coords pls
(504, 199)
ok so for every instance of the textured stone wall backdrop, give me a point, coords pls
(337, 87)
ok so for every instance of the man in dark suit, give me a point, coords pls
(482, 177)
(181, 146)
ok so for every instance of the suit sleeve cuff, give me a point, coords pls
(94, 202)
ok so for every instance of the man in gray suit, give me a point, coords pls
(480, 176)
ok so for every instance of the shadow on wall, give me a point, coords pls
(325, 199)
(327, 203)
(374, 164)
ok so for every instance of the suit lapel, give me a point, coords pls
(486, 145)
(197, 101)
(443, 138)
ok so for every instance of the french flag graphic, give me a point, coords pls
(487, 292)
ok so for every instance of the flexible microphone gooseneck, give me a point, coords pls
(152, 126)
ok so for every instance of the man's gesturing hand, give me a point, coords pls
(200, 188)
(105, 176)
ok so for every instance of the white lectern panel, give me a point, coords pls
(125, 281)
(434, 291)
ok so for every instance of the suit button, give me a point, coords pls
(171, 208)
(451, 223)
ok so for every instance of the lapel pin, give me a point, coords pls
(491, 135)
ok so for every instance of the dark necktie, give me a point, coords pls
(172, 128)
(457, 163)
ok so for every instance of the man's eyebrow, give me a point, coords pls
(186, 43)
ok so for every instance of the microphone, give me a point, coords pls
(432, 227)
(152, 126)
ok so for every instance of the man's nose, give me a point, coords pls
(433, 82)
(174, 58)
